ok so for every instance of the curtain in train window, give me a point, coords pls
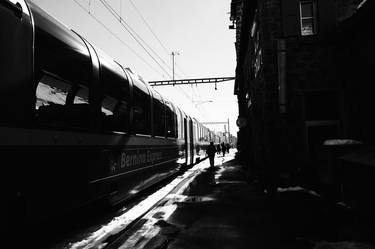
(141, 112)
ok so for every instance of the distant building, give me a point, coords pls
(301, 79)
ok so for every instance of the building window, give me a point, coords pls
(308, 17)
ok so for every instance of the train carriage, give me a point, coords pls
(76, 126)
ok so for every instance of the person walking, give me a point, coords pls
(210, 151)
(227, 147)
(218, 149)
(223, 148)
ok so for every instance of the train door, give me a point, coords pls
(191, 150)
(187, 142)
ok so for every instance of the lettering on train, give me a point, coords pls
(135, 158)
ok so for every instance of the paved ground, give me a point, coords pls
(224, 210)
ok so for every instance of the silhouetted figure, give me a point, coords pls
(210, 151)
(218, 149)
(227, 147)
(223, 148)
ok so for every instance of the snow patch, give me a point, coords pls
(297, 189)
(342, 245)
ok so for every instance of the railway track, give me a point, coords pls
(139, 223)
(161, 210)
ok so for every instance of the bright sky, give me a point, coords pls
(196, 29)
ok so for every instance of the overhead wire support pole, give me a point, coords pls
(190, 81)
(174, 53)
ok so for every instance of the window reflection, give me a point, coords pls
(53, 107)
(108, 105)
(307, 27)
(82, 96)
(50, 91)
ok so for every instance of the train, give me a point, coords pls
(76, 126)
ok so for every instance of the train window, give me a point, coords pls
(176, 126)
(51, 92)
(110, 120)
(159, 116)
(200, 132)
(22, 4)
(108, 105)
(82, 96)
(175, 122)
(179, 123)
(77, 114)
(119, 120)
(182, 126)
(51, 97)
(170, 121)
(141, 111)
(194, 130)
(115, 102)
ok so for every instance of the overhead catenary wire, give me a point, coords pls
(115, 14)
(149, 27)
(134, 35)
(154, 34)
(117, 37)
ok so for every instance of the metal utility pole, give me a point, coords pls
(228, 132)
(173, 55)
(225, 133)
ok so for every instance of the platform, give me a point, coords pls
(222, 209)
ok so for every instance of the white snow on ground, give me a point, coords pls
(297, 189)
(342, 245)
(98, 238)
(361, 4)
(343, 204)
(341, 142)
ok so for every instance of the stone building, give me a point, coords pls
(295, 79)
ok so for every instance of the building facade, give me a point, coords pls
(294, 58)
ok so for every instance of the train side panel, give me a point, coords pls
(77, 126)
(16, 64)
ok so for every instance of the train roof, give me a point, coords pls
(65, 54)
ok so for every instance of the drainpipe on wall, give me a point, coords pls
(281, 68)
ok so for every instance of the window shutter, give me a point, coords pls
(326, 16)
(290, 17)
